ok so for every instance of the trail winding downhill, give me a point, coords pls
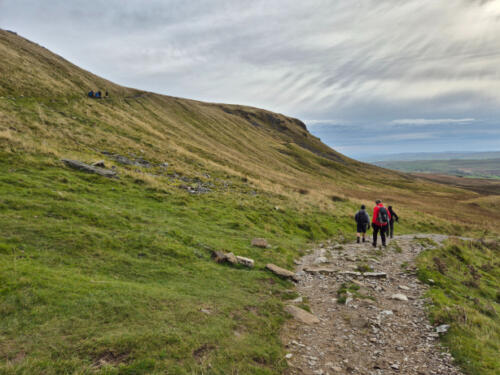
(381, 329)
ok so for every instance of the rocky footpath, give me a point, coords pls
(371, 313)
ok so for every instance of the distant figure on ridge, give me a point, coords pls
(106, 94)
(91, 94)
(362, 223)
(98, 95)
(394, 217)
(380, 222)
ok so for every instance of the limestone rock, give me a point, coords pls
(89, 168)
(320, 260)
(260, 242)
(231, 258)
(281, 272)
(301, 315)
(399, 297)
(320, 270)
(245, 261)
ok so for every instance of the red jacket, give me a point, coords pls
(375, 215)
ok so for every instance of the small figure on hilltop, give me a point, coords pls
(98, 95)
(380, 222)
(394, 217)
(91, 94)
(106, 94)
(362, 223)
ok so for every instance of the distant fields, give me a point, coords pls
(479, 168)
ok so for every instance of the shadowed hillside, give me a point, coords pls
(114, 275)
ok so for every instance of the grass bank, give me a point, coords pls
(465, 293)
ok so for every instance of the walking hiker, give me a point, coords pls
(380, 222)
(91, 94)
(98, 95)
(394, 217)
(362, 223)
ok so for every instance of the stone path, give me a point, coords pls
(382, 327)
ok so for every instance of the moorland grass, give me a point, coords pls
(465, 293)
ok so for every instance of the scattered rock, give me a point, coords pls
(281, 272)
(443, 328)
(288, 355)
(231, 258)
(399, 297)
(89, 168)
(245, 261)
(99, 164)
(374, 331)
(298, 300)
(320, 270)
(320, 260)
(364, 274)
(221, 257)
(260, 242)
(301, 315)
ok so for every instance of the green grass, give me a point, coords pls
(109, 275)
(466, 295)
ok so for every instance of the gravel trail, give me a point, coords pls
(381, 328)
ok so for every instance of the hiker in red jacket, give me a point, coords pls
(380, 222)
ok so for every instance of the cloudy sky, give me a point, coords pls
(367, 76)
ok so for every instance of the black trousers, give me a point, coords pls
(390, 229)
(381, 229)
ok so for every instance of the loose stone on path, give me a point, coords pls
(382, 328)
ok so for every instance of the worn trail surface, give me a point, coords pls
(373, 333)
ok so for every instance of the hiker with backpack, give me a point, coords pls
(394, 217)
(380, 222)
(362, 223)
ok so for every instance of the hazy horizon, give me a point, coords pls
(428, 85)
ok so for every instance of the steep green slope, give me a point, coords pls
(114, 276)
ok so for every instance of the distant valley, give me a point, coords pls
(476, 168)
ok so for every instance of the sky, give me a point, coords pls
(368, 77)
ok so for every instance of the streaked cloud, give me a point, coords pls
(432, 121)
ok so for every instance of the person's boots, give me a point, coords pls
(364, 239)
(374, 244)
(357, 240)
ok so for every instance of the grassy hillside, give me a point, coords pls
(114, 276)
(465, 290)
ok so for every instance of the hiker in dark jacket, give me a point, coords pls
(394, 217)
(91, 94)
(362, 223)
(380, 222)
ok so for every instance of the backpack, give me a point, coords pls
(383, 216)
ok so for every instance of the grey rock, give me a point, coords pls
(281, 272)
(89, 168)
(301, 315)
(245, 261)
(260, 242)
(399, 297)
(443, 328)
